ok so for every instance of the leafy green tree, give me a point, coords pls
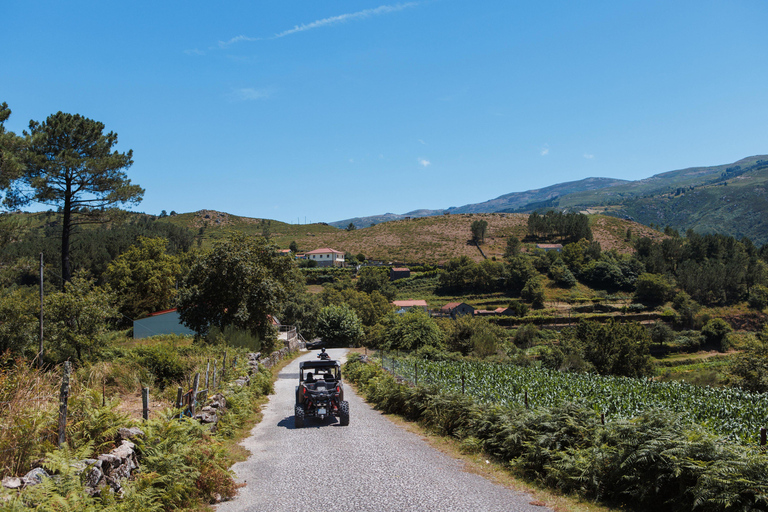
(361, 257)
(411, 331)
(78, 317)
(369, 307)
(294, 247)
(11, 151)
(371, 279)
(533, 292)
(478, 229)
(513, 247)
(652, 289)
(686, 308)
(716, 333)
(758, 297)
(560, 274)
(526, 335)
(302, 310)
(661, 333)
(519, 271)
(70, 164)
(351, 226)
(339, 325)
(467, 334)
(145, 277)
(19, 322)
(616, 348)
(242, 282)
(750, 367)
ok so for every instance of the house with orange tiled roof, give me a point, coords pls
(401, 306)
(455, 309)
(326, 257)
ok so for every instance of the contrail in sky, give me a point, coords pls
(333, 20)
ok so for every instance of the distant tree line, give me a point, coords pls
(558, 225)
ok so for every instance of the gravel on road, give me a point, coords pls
(370, 465)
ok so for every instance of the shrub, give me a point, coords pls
(758, 297)
(164, 362)
(716, 332)
(652, 289)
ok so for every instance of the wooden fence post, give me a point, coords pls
(145, 403)
(178, 398)
(762, 436)
(193, 398)
(214, 376)
(207, 369)
(63, 399)
(462, 383)
(526, 398)
(602, 418)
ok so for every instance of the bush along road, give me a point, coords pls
(370, 465)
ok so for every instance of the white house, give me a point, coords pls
(326, 257)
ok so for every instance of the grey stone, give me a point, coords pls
(12, 482)
(35, 477)
(129, 433)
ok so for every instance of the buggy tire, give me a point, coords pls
(344, 413)
(298, 416)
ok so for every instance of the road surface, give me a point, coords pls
(370, 465)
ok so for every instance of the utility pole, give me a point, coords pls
(40, 351)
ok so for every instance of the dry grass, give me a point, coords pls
(28, 415)
(429, 240)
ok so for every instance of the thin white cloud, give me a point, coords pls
(589, 156)
(238, 39)
(194, 52)
(544, 150)
(332, 20)
(424, 162)
(343, 18)
(422, 142)
(250, 94)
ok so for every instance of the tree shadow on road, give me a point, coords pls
(289, 423)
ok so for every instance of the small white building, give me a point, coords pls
(326, 257)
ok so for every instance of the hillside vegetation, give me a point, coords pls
(427, 240)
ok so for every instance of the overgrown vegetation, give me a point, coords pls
(183, 464)
(654, 459)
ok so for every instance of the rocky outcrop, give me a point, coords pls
(34, 477)
(209, 414)
(107, 471)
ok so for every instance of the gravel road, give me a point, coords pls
(370, 465)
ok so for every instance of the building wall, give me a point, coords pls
(166, 323)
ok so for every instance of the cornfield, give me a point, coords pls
(735, 414)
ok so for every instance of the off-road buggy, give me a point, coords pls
(320, 393)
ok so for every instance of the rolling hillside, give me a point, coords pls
(434, 239)
(730, 199)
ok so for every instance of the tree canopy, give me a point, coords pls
(145, 276)
(11, 149)
(70, 163)
(241, 283)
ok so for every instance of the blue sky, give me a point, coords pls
(329, 109)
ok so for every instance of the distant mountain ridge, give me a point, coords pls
(691, 198)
